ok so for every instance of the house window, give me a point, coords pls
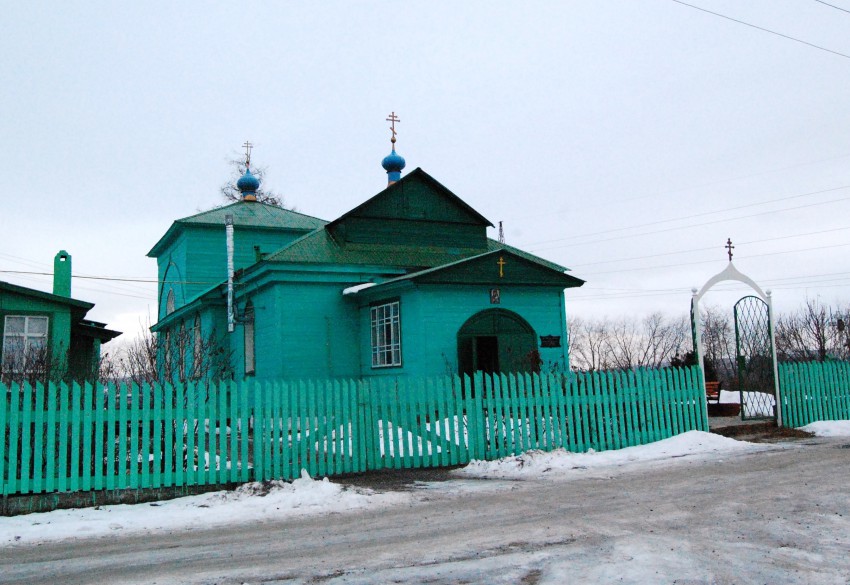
(249, 338)
(386, 335)
(24, 337)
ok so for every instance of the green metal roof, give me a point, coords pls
(245, 214)
(320, 248)
(551, 275)
(45, 296)
(256, 214)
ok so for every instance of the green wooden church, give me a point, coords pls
(405, 284)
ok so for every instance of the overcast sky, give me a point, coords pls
(624, 139)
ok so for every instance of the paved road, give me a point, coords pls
(778, 516)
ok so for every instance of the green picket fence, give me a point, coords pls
(72, 438)
(814, 391)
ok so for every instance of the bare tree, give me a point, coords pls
(718, 341)
(588, 343)
(231, 193)
(32, 364)
(814, 332)
(178, 356)
(626, 343)
(649, 343)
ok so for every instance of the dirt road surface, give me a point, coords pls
(775, 516)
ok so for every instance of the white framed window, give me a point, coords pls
(24, 338)
(386, 335)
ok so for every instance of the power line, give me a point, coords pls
(702, 214)
(112, 278)
(708, 248)
(767, 30)
(672, 229)
(709, 261)
(833, 6)
(691, 188)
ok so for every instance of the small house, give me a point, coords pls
(47, 335)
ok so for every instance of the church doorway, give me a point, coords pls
(496, 340)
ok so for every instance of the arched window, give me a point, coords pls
(197, 348)
(248, 326)
(169, 302)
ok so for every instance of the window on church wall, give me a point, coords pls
(197, 348)
(168, 358)
(248, 327)
(24, 342)
(169, 302)
(386, 335)
(182, 347)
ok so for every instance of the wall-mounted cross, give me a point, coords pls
(248, 146)
(501, 264)
(729, 247)
(393, 119)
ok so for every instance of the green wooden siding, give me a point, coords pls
(432, 316)
(814, 391)
(81, 438)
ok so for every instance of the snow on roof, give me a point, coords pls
(353, 290)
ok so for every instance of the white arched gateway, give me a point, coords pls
(747, 324)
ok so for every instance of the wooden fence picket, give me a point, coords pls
(71, 437)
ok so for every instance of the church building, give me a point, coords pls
(405, 284)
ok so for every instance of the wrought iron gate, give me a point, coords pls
(754, 356)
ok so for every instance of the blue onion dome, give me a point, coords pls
(393, 163)
(248, 183)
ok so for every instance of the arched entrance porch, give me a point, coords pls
(496, 340)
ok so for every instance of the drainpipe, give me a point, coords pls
(228, 230)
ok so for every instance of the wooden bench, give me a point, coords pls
(712, 391)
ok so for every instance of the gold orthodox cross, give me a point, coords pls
(501, 264)
(393, 119)
(248, 146)
(729, 247)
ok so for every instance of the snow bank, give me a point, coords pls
(537, 464)
(828, 428)
(251, 502)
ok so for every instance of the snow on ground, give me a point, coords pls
(828, 428)
(539, 464)
(251, 502)
(256, 502)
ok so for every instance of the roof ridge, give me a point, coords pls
(266, 207)
(208, 211)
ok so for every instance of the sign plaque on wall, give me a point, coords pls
(495, 296)
(550, 341)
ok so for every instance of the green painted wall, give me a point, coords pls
(75, 353)
(432, 315)
(207, 248)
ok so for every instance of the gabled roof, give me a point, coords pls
(320, 248)
(45, 296)
(374, 207)
(245, 214)
(499, 266)
(96, 330)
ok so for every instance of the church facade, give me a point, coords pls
(405, 284)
